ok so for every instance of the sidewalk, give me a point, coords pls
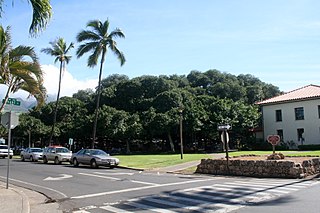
(20, 200)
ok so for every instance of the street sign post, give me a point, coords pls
(274, 140)
(10, 120)
(223, 128)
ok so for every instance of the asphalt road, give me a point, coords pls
(82, 189)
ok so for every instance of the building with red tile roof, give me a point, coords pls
(294, 115)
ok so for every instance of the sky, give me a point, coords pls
(276, 41)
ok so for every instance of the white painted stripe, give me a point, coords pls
(31, 184)
(99, 176)
(138, 188)
(112, 178)
(114, 209)
(146, 183)
(118, 173)
(80, 211)
(264, 187)
(149, 208)
(283, 185)
(235, 186)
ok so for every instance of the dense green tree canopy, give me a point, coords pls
(142, 113)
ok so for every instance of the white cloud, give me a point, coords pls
(69, 84)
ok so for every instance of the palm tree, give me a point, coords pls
(41, 14)
(20, 69)
(98, 41)
(58, 49)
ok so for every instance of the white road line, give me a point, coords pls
(31, 184)
(235, 186)
(118, 173)
(114, 209)
(99, 176)
(138, 188)
(264, 186)
(113, 178)
(146, 183)
(277, 185)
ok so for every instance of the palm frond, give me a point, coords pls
(23, 51)
(85, 35)
(93, 58)
(118, 53)
(117, 33)
(87, 47)
(42, 13)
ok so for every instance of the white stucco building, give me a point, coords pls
(295, 116)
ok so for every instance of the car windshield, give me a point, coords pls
(3, 147)
(62, 150)
(36, 150)
(98, 152)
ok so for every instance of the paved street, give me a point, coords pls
(83, 190)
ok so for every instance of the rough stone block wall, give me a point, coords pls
(260, 168)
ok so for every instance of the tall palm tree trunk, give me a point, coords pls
(57, 103)
(94, 131)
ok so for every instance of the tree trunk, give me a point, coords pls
(57, 102)
(128, 146)
(171, 142)
(97, 101)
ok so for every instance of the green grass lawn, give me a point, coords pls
(157, 161)
(163, 160)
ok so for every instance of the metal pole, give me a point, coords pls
(227, 149)
(181, 140)
(9, 144)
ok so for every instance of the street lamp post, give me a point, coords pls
(181, 140)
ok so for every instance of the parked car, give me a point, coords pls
(94, 158)
(4, 151)
(57, 154)
(33, 154)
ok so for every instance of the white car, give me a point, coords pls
(33, 154)
(57, 154)
(4, 151)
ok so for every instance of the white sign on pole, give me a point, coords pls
(70, 141)
(6, 117)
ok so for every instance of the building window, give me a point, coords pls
(319, 111)
(299, 113)
(280, 133)
(278, 115)
(300, 136)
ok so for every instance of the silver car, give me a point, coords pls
(33, 154)
(94, 158)
(57, 154)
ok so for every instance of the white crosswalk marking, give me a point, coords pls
(114, 209)
(217, 198)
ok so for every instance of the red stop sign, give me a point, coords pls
(273, 139)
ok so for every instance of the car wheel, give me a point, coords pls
(10, 157)
(56, 160)
(22, 158)
(75, 162)
(45, 160)
(31, 158)
(112, 167)
(93, 164)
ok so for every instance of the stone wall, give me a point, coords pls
(260, 168)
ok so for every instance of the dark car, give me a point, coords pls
(94, 158)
